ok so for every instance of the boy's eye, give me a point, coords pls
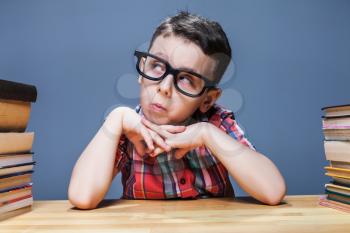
(186, 79)
(158, 66)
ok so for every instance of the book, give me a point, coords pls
(335, 176)
(12, 142)
(333, 204)
(344, 184)
(14, 199)
(337, 110)
(338, 122)
(15, 181)
(12, 159)
(338, 188)
(336, 131)
(16, 204)
(16, 158)
(336, 134)
(338, 171)
(337, 150)
(14, 115)
(344, 180)
(15, 192)
(16, 212)
(17, 91)
(5, 170)
(340, 164)
(336, 196)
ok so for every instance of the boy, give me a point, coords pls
(177, 143)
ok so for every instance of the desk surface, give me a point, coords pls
(297, 214)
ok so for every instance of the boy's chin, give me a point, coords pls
(169, 122)
(161, 120)
(157, 120)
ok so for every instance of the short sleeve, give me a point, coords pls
(121, 156)
(232, 128)
(225, 120)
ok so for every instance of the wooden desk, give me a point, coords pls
(297, 214)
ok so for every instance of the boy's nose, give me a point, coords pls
(165, 86)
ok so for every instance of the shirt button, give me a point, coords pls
(182, 181)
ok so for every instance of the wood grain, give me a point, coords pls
(297, 214)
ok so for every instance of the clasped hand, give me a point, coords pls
(154, 139)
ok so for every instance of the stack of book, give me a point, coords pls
(336, 129)
(16, 156)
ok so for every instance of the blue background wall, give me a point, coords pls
(291, 59)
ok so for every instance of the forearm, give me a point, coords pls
(254, 172)
(93, 172)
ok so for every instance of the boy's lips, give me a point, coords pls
(158, 107)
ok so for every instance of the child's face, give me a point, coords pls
(180, 54)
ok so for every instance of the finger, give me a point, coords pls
(175, 143)
(181, 140)
(148, 150)
(156, 151)
(181, 152)
(147, 137)
(155, 128)
(160, 141)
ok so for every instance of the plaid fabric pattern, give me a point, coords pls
(197, 175)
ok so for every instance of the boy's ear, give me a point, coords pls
(210, 99)
(139, 79)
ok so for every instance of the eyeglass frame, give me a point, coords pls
(208, 84)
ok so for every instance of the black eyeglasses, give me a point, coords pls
(186, 82)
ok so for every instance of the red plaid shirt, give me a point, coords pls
(196, 175)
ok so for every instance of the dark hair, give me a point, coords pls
(207, 34)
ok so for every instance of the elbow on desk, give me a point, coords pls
(81, 201)
(275, 196)
(273, 200)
